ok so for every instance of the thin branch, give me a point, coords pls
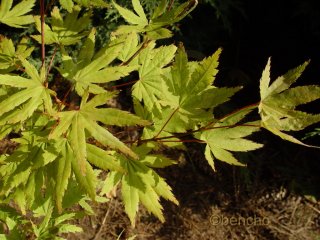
(205, 128)
(42, 13)
(166, 123)
(65, 98)
(232, 113)
(191, 6)
(97, 235)
(51, 61)
(124, 84)
(170, 5)
(20, 68)
(180, 135)
(183, 141)
(143, 46)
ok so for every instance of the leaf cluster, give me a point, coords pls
(66, 137)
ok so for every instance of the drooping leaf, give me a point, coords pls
(15, 16)
(141, 184)
(278, 103)
(130, 195)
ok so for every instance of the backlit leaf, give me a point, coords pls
(278, 103)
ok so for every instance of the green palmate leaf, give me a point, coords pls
(228, 135)
(140, 183)
(189, 96)
(91, 69)
(64, 31)
(75, 122)
(9, 54)
(278, 103)
(220, 141)
(69, 4)
(150, 131)
(15, 17)
(21, 105)
(22, 174)
(152, 61)
(155, 28)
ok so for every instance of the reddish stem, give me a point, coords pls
(64, 98)
(42, 13)
(51, 61)
(143, 46)
(124, 84)
(170, 5)
(166, 123)
(230, 114)
(207, 127)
